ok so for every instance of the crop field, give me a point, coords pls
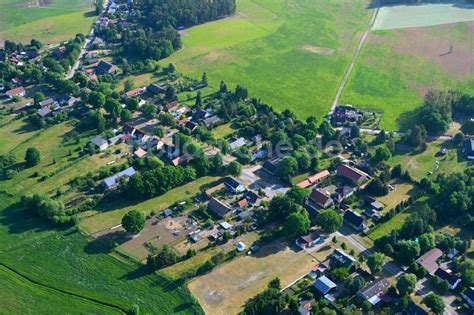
(20, 296)
(291, 54)
(228, 287)
(397, 67)
(428, 14)
(46, 20)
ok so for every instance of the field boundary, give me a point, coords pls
(57, 290)
(362, 40)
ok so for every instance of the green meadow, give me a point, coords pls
(50, 267)
(46, 20)
(292, 54)
(397, 67)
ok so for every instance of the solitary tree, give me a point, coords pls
(435, 303)
(32, 157)
(133, 222)
(296, 224)
(329, 220)
(406, 284)
(375, 262)
(234, 168)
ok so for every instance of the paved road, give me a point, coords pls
(89, 38)
(354, 59)
(390, 267)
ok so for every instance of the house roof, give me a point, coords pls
(469, 146)
(429, 260)
(46, 102)
(252, 197)
(114, 180)
(212, 120)
(99, 141)
(324, 285)
(134, 92)
(319, 176)
(225, 225)
(16, 91)
(105, 66)
(320, 197)
(237, 143)
(414, 309)
(469, 293)
(374, 289)
(43, 112)
(185, 158)
(232, 183)
(353, 174)
(353, 218)
(171, 106)
(339, 257)
(448, 276)
(218, 207)
(155, 88)
(310, 237)
(140, 153)
(242, 203)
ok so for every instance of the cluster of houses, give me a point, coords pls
(430, 262)
(345, 115)
(53, 106)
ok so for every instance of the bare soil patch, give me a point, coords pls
(455, 56)
(319, 50)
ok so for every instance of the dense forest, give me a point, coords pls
(154, 34)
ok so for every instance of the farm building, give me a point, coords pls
(219, 208)
(101, 143)
(352, 174)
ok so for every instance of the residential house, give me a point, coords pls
(236, 143)
(252, 198)
(354, 175)
(271, 165)
(219, 208)
(354, 220)
(308, 240)
(234, 185)
(324, 285)
(341, 259)
(140, 153)
(19, 91)
(134, 92)
(468, 296)
(182, 160)
(49, 102)
(67, 100)
(342, 193)
(212, 121)
(449, 276)
(315, 179)
(321, 197)
(171, 152)
(201, 114)
(45, 112)
(105, 67)
(468, 148)
(114, 181)
(312, 212)
(374, 291)
(241, 204)
(100, 143)
(170, 107)
(429, 260)
(155, 89)
(190, 125)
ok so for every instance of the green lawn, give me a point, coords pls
(20, 296)
(62, 258)
(112, 213)
(397, 67)
(20, 20)
(292, 54)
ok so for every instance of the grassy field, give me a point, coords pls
(19, 296)
(420, 165)
(397, 67)
(291, 54)
(228, 287)
(62, 258)
(112, 214)
(48, 21)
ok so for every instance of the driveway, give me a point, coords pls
(255, 178)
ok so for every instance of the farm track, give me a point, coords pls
(56, 290)
(356, 56)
